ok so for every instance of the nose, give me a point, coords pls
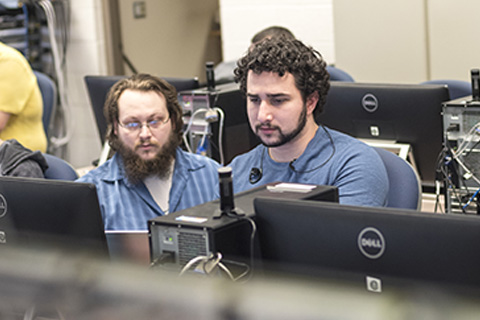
(144, 131)
(264, 112)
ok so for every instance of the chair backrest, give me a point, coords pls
(59, 169)
(339, 75)
(456, 88)
(49, 97)
(405, 190)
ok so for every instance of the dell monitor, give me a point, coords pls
(51, 214)
(376, 248)
(401, 113)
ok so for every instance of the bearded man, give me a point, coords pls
(149, 175)
(286, 85)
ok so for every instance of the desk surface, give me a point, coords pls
(428, 203)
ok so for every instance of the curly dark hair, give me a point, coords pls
(142, 82)
(282, 55)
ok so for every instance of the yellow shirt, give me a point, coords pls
(21, 97)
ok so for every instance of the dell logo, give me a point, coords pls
(369, 103)
(3, 206)
(371, 243)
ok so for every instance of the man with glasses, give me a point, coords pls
(149, 175)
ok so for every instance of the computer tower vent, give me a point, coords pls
(191, 245)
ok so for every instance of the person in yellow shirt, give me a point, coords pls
(21, 105)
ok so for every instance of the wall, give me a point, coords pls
(381, 41)
(406, 41)
(175, 39)
(454, 35)
(309, 20)
(86, 55)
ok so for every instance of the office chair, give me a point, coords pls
(456, 88)
(405, 188)
(49, 97)
(339, 75)
(59, 169)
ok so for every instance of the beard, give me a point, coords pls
(138, 169)
(284, 138)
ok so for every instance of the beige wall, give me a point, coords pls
(86, 55)
(309, 20)
(174, 40)
(381, 41)
(406, 40)
(454, 38)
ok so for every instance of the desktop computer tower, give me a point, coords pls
(461, 162)
(229, 135)
(177, 238)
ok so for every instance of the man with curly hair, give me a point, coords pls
(286, 85)
(149, 175)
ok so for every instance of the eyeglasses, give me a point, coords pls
(134, 126)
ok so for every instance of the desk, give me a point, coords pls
(428, 203)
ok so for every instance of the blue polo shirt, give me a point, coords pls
(331, 158)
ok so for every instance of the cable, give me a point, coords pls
(471, 199)
(467, 139)
(450, 166)
(256, 177)
(220, 134)
(467, 173)
(211, 261)
(218, 257)
(320, 165)
(464, 149)
(164, 257)
(189, 125)
(252, 244)
(61, 83)
(27, 35)
(127, 60)
(227, 271)
(439, 176)
(192, 262)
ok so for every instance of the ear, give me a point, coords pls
(311, 102)
(115, 128)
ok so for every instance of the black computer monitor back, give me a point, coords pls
(388, 246)
(405, 113)
(50, 213)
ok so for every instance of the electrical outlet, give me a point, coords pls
(139, 9)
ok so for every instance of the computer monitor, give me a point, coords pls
(98, 87)
(377, 248)
(52, 214)
(402, 113)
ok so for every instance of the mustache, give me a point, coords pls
(266, 126)
(145, 142)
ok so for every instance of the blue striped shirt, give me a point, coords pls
(126, 206)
